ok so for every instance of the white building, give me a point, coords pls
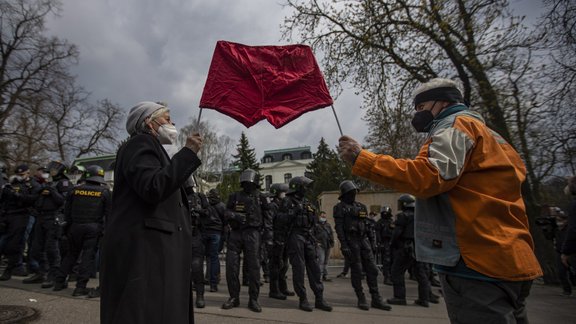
(279, 166)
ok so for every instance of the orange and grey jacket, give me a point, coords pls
(469, 206)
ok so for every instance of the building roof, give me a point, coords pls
(294, 153)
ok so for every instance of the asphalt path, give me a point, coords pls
(545, 305)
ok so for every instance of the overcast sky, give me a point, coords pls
(137, 50)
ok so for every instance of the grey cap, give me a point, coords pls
(138, 113)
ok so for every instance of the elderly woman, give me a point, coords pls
(146, 255)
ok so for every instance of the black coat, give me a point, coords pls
(146, 250)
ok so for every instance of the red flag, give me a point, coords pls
(251, 83)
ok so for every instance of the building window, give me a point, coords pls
(268, 180)
(287, 156)
(268, 159)
(306, 155)
(287, 177)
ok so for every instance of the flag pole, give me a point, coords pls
(198, 120)
(337, 121)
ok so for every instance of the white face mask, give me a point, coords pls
(167, 134)
(322, 220)
(45, 176)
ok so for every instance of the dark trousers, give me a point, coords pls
(14, 239)
(476, 301)
(302, 254)
(386, 258)
(403, 260)
(278, 267)
(45, 245)
(211, 243)
(245, 242)
(83, 240)
(198, 253)
(362, 258)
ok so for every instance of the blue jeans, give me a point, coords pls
(211, 244)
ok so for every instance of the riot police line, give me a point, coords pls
(50, 230)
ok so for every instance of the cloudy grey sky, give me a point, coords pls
(136, 50)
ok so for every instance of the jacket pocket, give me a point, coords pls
(160, 224)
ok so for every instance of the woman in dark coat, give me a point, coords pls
(146, 251)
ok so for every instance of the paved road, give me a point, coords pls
(545, 306)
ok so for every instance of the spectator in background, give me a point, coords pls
(325, 239)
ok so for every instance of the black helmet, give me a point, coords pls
(56, 169)
(94, 173)
(406, 201)
(249, 175)
(213, 194)
(346, 186)
(277, 188)
(298, 184)
(386, 211)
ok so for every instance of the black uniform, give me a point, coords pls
(250, 223)
(278, 255)
(87, 208)
(17, 200)
(403, 255)
(358, 240)
(197, 203)
(47, 232)
(384, 230)
(301, 216)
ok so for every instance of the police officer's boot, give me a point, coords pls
(322, 304)
(80, 291)
(254, 306)
(200, 303)
(305, 305)
(35, 279)
(275, 291)
(60, 286)
(434, 299)
(231, 303)
(362, 302)
(47, 283)
(283, 288)
(377, 302)
(6, 275)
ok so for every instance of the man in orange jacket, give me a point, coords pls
(470, 219)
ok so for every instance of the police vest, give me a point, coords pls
(88, 203)
(47, 203)
(302, 214)
(18, 206)
(355, 218)
(250, 206)
(406, 219)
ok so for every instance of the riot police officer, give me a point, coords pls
(384, 230)
(197, 203)
(85, 212)
(278, 255)
(357, 239)
(251, 225)
(301, 243)
(17, 199)
(45, 243)
(402, 245)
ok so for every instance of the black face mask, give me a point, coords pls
(422, 120)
